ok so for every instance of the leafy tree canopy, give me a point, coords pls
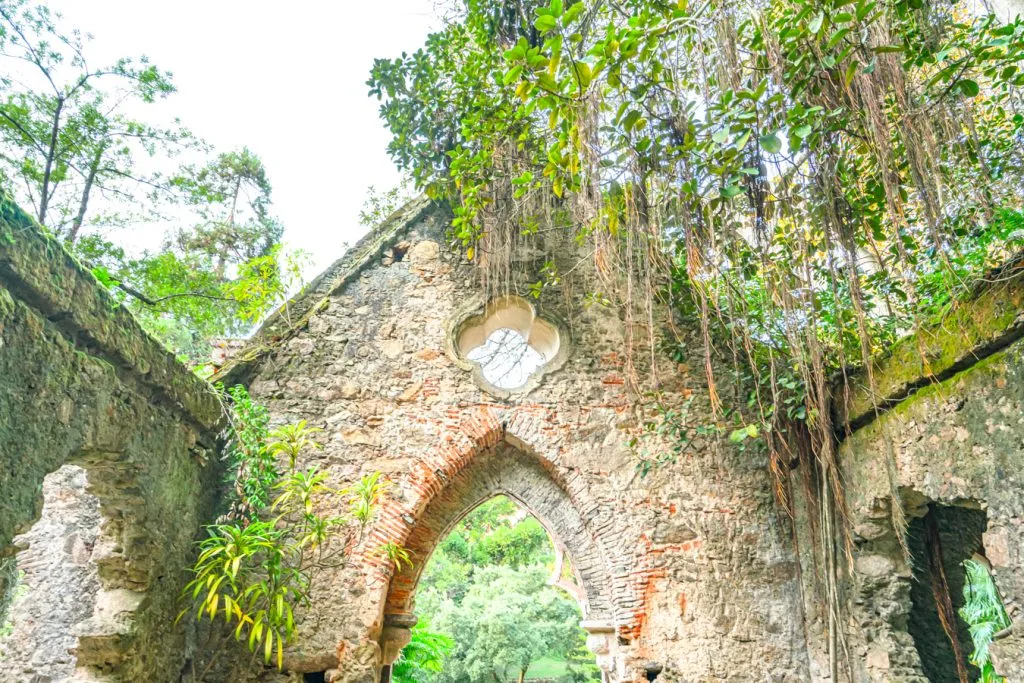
(105, 181)
(485, 592)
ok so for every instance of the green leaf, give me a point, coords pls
(103, 275)
(631, 118)
(969, 88)
(549, 83)
(851, 71)
(512, 75)
(556, 8)
(584, 74)
(730, 191)
(721, 136)
(771, 143)
(545, 23)
(801, 131)
(816, 22)
(836, 37)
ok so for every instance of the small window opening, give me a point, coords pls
(508, 343)
(506, 360)
(399, 251)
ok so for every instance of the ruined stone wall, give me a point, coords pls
(956, 444)
(949, 440)
(689, 570)
(83, 387)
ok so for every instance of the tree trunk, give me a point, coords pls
(522, 675)
(51, 155)
(84, 204)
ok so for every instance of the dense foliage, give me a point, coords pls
(109, 183)
(485, 593)
(803, 180)
(985, 616)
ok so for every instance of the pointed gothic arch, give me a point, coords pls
(487, 453)
(504, 469)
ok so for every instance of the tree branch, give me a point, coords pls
(136, 294)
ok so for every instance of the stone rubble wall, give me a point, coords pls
(957, 443)
(81, 384)
(700, 573)
(951, 432)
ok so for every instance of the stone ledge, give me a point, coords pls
(39, 271)
(982, 323)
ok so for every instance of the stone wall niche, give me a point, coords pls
(939, 541)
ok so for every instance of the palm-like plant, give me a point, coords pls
(985, 616)
(424, 655)
(291, 439)
(255, 568)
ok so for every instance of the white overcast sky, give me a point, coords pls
(287, 79)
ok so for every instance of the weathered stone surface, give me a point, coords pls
(81, 384)
(955, 449)
(692, 564)
(55, 562)
(958, 443)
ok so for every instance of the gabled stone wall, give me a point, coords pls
(688, 571)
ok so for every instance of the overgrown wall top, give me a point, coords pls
(81, 383)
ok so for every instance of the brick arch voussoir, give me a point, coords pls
(507, 470)
(468, 434)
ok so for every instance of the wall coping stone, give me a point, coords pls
(38, 270)
(989, 318)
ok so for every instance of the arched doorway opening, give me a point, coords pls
(507, 470)
(498, 600)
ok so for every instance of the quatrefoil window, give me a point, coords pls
(508, 343)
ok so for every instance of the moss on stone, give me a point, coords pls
(986, 321)
(37, 269)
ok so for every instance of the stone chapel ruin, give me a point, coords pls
(109, 468)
